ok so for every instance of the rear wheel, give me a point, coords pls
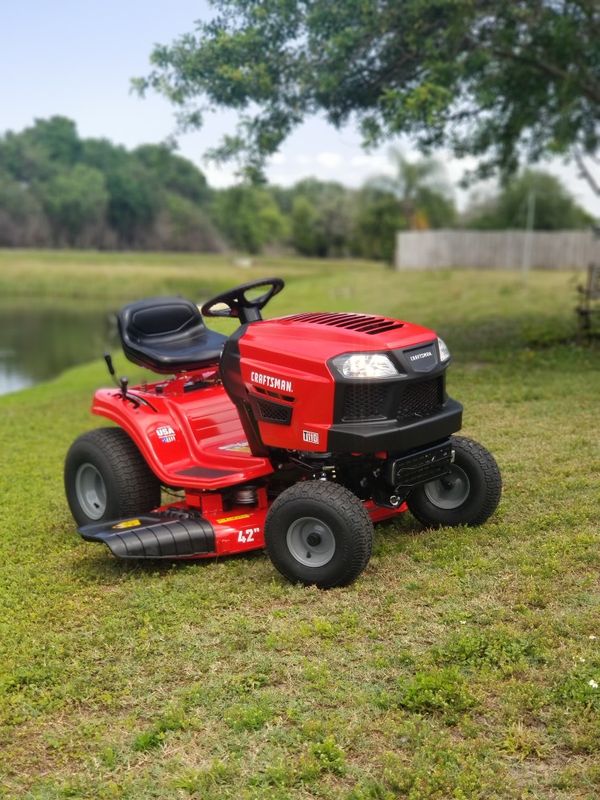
(106, 478)
(467, 495)
(319, 533)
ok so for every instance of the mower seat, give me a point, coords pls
(167, 335)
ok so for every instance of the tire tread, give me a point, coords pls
(491, 477)
(359, 524)
(138, 487)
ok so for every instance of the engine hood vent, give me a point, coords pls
(363, 323)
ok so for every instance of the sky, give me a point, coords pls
(76, 58)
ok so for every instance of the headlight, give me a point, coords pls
(364, 365)
(444, 352)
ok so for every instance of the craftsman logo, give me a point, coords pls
(311, 437)
(166, 434)
(270, 382)
(421, 355)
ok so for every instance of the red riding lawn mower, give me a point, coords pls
(293, 434)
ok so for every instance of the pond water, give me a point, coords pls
(39, 339)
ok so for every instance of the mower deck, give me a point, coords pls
(175, 532)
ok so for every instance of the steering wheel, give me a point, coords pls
(240, 306)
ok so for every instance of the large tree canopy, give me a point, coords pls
(58, 189)
(504, 81)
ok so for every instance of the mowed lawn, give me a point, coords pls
(464, 663)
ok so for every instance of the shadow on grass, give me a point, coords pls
(99, 566)
(584, 340)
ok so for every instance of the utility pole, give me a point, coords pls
(526, 260)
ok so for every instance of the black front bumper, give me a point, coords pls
(394, 435)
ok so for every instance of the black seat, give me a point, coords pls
(167, 334)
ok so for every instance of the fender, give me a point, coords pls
(192, 444)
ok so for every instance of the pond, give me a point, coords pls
(39, 338)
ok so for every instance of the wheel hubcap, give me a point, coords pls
(311, 541)
(91, 491)
(450, 491)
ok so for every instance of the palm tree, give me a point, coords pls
(422, 190)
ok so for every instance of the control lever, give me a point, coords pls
(123, 385)
(110, 367)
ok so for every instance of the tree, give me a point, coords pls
(58, 189)
(321, 218)
(187, 227)
(249, 217)
(422, 191)
(39, 152)
(304, 219)
(555, 208)
(103, 155)
(75, 200)
(175, 173)
(23, 222)
(134, 201)
(58, 138)
(501, 81)
(378, 219)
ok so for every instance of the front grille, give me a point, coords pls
(364, 323)
(274, 412)
(420, 399)
(364, 402)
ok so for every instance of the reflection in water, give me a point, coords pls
(38, 340)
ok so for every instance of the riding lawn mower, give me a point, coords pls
(294, 434)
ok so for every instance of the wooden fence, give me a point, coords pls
(510, 249)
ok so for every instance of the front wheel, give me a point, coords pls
(318, 533)
(467, 495)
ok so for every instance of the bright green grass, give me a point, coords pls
(457, 666)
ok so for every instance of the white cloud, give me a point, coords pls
(220, 176)
(277, 159)
(329, 160)
(303, 159)
(371, 162)
(286, 177)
